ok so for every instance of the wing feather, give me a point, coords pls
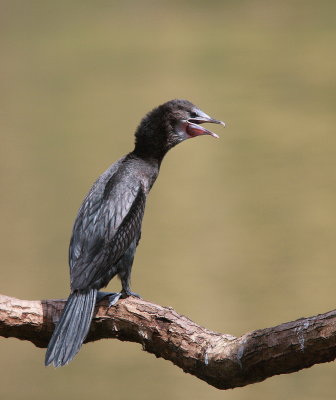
(108, 221)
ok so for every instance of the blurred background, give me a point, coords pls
(239, 233)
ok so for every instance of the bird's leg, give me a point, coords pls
(124, 271)
(125, 277)
(123, 268)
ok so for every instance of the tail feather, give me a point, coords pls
(72, 328)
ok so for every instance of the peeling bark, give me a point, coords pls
(223, 361)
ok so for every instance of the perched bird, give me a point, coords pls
(107, 229)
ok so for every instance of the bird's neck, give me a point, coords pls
(151, 162)
(150, 140)
(147, 168)
(149, 154)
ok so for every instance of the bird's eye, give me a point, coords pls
(193, 114)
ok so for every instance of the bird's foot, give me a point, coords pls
(127, 293)
(114, 297)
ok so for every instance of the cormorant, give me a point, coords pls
(107, 229)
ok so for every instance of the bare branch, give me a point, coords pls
(223, 361)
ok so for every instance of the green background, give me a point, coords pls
(239, 233)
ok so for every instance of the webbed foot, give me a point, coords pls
(126, 293)
(112, 297)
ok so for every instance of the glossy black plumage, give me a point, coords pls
(107, 224)
(107, 229)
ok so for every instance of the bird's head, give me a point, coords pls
(169, 124)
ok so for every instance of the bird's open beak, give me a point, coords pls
(194, 127)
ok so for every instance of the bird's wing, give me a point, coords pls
(107, 223)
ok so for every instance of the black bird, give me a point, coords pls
(107, 229)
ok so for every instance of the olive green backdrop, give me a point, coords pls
(239, 233)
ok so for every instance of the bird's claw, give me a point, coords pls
(127, 293)
(114, 297)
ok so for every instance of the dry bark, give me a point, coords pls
(224, 361)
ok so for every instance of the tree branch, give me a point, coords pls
(223, 361)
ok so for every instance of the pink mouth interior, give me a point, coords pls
(197, 130)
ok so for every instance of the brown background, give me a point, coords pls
(239, 233)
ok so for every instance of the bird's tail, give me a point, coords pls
(72, 328)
